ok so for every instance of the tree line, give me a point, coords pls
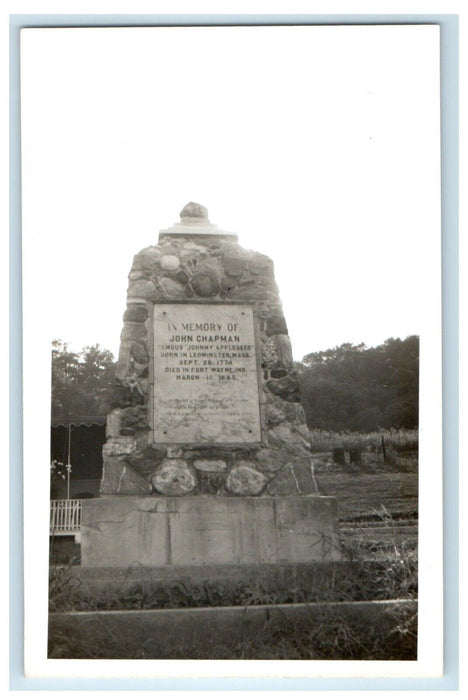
(83, 382)
(350, 387)
(353, 387)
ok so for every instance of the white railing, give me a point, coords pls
(65, 517)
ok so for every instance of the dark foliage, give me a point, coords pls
(353, 387)
(82, 383)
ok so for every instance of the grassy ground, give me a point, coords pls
(368, 631)
(361, 495)
(363, 491)
(357, 578)
(363, 575)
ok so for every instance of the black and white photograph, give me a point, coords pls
(232, 308)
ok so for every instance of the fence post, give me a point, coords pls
(384, 451)
(339, 455)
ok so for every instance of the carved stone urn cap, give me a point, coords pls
(194, 221)
(193, 210)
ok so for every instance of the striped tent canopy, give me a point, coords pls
(66, 420)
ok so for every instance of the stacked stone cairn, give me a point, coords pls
(193, 261)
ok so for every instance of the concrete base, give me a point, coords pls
(205, 530)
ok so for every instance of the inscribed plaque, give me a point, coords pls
(205, 374)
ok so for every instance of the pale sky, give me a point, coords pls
(317, 145)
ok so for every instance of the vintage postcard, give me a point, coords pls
(232, 351)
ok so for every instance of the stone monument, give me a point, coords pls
(207, 458)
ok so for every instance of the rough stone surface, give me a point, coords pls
(138, 352)
(270, 460)
(113, 423)
(278, 372)
(133, 331)
(283, 349)
(168, 248)
(295, 414)
(260, 263)
(245, 480)
(234, 265)
(284, 437)
(175, 452)
(145, 462)
(136, 312)
(293, 479)
(286, 387)
(269, 353)
(276, 325)
(139, 275)
(119, 446)
(171, 289)
(210, 465)
(183, 276)
(147, 258)
(169, 262)
(274, 415)
(248, 293)
(193, 210)
(124, 361)
(211, 483)
(174, 478)
(205, 284)
(119, 478)
(133, 416)
(144, 289)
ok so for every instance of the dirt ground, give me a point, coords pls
(371, 488)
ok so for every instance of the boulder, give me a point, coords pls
(269, 354)
(183, 276)
(274, 414)
(118, 477)
(133, 331)
(210, 465)
(146, 258)
(138, 352)
(169, 262)
(115, 446)
(124, 361)
(269, 460)
(245, 480)
(283, 349)
(260, 263)
(134, 416)
(113, 423)
(136, 312)
(143, 289)
(276, 325)
(205, 284)
(234, 265)
(174, 478)
(146, 461)
(293, 479)
(171, 289)
(296, 440)
(286, 387)
(251, 292)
